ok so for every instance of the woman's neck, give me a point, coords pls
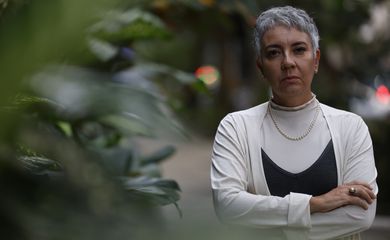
(292, 101)
(310, 104)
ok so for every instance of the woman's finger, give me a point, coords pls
(359, 183)
(357, 201)
(361, 192)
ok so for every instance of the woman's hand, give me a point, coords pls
(341, 196)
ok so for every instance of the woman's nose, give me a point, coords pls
(287, 62)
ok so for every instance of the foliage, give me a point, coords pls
(71, 150)
(96, 75)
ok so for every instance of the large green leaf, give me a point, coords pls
(41, 165)
(102, 49)
(85, 94)
(127, 123)
(158, 155)
(129, 25)
(158, 191)
(96, 135)
(158, 73)
(117, 160)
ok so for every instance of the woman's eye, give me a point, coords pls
(273, 53)
(300, 50)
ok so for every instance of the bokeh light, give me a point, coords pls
(208, 74)
(383, 94)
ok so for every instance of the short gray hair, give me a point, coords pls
(286, 16)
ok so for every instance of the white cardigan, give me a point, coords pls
(240, 191)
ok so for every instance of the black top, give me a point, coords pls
(316, 180)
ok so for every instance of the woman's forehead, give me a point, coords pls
(281, 34)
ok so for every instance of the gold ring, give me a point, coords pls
(352, 190)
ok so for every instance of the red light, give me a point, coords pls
(208, 74)
(383, 94)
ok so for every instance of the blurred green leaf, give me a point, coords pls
(94, 134)
(200, 87)
(66, 128)
(158, 155)
(40, 165)
(86, 94)
(159, 191)
(129, 123)
(133, 24)
(160, 72)
(151, 170)
(103, 50)
(116, 160)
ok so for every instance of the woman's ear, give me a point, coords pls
(317, 57)
(259, 65)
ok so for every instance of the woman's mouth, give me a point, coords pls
(290, 78)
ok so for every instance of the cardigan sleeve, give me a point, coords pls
(229, 181)
(359, 166)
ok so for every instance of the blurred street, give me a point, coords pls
(190, 166)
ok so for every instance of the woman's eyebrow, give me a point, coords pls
(279, 46)
(273, 46)
(299, 43)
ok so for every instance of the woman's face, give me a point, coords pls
(288, 64)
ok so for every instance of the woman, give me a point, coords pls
(292, 165)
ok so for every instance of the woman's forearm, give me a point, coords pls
(362, 196)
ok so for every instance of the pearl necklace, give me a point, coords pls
(301, 136)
